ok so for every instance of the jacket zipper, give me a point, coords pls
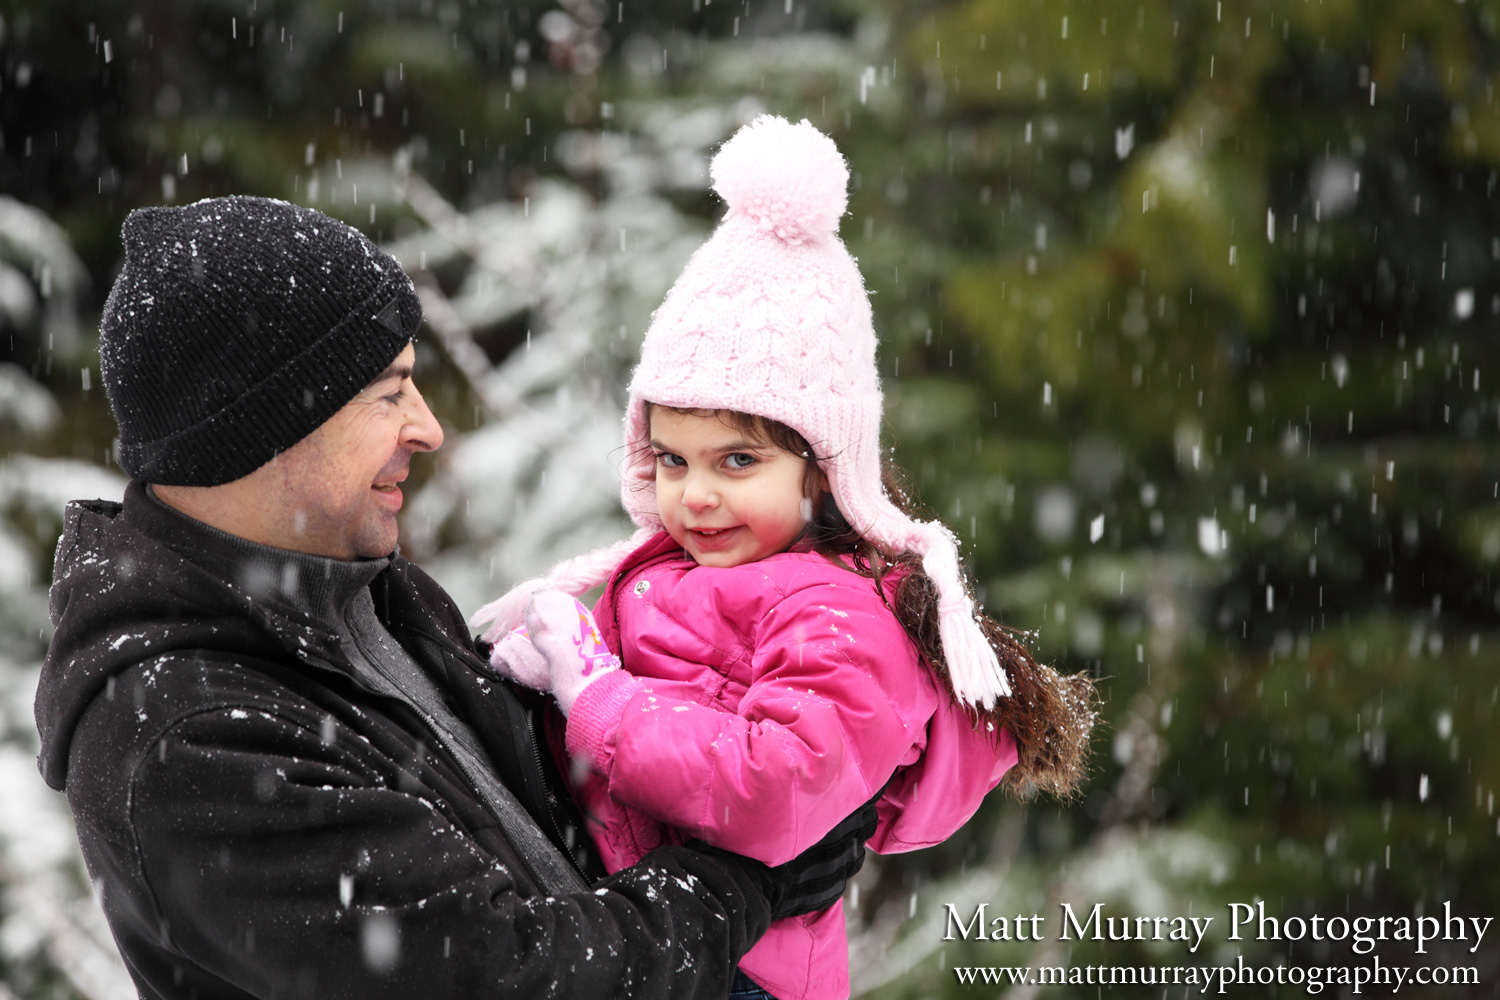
(453, 740)
(538, 775)
(536, 759)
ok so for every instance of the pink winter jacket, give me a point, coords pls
(764, 703)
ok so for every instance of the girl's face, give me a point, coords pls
(724, 497)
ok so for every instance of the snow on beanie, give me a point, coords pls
(770, 317)
(237, 326)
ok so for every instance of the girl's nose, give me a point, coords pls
(698, 494)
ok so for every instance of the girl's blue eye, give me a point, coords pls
(670, 460)
(740, 460)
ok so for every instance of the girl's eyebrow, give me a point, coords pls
(724, 449)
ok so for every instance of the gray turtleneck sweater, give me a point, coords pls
(336, 593)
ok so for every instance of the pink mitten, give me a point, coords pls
(564, 632)
(515, 657)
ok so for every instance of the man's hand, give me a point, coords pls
(815, 879)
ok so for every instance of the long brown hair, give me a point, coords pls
(1050, 715)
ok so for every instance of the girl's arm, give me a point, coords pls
(816, 734)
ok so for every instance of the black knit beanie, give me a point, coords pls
(236, 328)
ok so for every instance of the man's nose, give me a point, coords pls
(422, 431)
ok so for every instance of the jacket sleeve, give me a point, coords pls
(816, 734)
(277, 852)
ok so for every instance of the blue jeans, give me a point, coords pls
(745, 988)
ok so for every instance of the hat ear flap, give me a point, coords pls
(974, 668)
(573, 576)
(638, 478)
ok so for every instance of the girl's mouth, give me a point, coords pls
(712, 537)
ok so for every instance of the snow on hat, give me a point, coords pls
(770, 317)
(237, 326)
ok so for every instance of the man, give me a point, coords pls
(290, 771)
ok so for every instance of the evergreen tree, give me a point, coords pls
(1187, 318)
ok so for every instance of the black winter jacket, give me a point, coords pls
(258, 823)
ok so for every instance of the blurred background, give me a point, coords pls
(1188, 317)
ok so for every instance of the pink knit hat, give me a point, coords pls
(770, 317)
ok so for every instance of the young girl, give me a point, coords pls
(794, 642)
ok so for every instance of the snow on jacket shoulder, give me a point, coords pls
(258, 823)
(769, 701)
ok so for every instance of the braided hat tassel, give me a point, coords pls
(978, 679)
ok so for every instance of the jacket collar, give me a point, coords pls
(137, 580)
(316, 586)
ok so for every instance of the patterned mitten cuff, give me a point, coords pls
(563, 630)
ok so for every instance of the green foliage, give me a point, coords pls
(1252, 255)
(1187, 319)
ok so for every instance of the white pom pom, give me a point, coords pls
(791, 179)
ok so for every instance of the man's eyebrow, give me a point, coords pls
(396, 371)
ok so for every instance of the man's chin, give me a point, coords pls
(378, 550)
(377, 538)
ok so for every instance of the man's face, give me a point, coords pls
(337, 490)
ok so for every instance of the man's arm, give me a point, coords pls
(279, 853)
